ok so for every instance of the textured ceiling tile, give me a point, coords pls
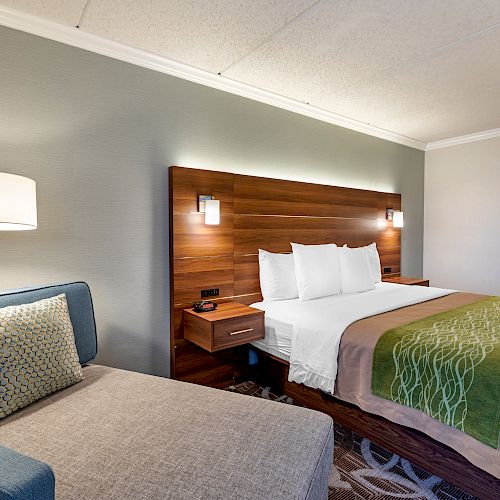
(475, 114)
(426, 97)
(65, 12)
(334, 45)
(208, 34)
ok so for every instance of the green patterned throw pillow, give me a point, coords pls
(38, 354)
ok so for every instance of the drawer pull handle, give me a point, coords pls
(241, 331)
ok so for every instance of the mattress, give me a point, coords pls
(282, 315)
(119, 434)
(353, 384)
(278, 334)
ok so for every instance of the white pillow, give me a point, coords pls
(277, 276)
(373, 261)
(355, 275)
(317, 270)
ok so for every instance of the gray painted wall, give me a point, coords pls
(462, 217)
(98, 135)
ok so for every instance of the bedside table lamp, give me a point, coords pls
(17, 203)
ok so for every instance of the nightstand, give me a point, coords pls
(230, 325)
(407, 281)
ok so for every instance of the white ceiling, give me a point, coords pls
(425, 69)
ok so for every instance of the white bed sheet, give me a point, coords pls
(307, 333)
(278, 336)
(281, 315)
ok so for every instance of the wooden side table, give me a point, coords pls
(230, 325)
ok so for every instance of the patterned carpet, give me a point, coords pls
(366, 471)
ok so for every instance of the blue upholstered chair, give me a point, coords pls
(22, 477)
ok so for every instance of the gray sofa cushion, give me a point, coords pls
(80, 310)
(120, 435)
(22, 478)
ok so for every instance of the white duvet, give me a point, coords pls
(318, 326)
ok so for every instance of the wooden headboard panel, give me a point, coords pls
(256, 212)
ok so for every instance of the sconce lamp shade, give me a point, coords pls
(398, 219)
(212, 212)
(17, 203)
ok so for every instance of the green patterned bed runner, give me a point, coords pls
(448, 366)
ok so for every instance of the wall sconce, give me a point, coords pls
(398, 219)
(17, 203)
(210, 207)
(396, 216)
(212, 212)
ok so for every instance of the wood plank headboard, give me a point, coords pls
(256, 212)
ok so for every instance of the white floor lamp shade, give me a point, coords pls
(17, 203)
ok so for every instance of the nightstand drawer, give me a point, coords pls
(230, 325)
(238, 331)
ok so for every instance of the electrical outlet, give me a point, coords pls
(211, 292)
(387, 270)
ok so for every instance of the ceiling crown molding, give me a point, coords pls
(78, 38)
(463, 139)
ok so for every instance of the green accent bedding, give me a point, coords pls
(448, 366)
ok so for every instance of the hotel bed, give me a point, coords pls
(287, 233)
(355, 355)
